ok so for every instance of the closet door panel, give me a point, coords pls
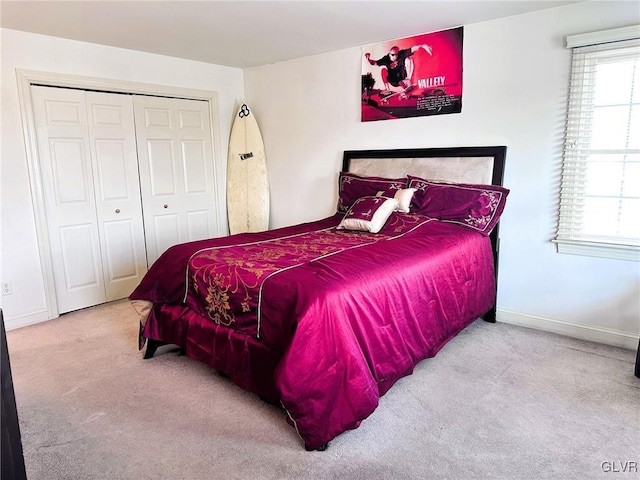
(197, 224)
(161, 160)
(71, 179)
(117, 187)
(67, 183)
(196, 155)
(111, 159)
(167, 231)
(176, 171)
(120, 245)
(193, 166)
(81, 267)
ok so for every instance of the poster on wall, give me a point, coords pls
(413, 77)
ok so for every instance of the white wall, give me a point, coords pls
(515, 90)
(19, 250)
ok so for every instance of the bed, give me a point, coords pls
(324, 317)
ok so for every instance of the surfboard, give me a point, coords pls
(247, 181)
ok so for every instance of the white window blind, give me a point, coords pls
(600, 189)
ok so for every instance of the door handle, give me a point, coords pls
(117, 210)
(166, 206)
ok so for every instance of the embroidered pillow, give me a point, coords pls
(475, 206)
(403, 196)
(368, 214)
(352, 186)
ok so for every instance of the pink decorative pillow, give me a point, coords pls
(368, 214)
(352, 186)
(475, 206)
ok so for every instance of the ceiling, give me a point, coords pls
(250, 33)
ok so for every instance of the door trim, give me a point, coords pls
(26, 78)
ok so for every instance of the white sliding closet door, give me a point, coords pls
(67, 183)
(117, 190)
(175, 157)
(86, 143)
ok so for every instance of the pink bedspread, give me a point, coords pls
(226, 283)
(349, 313)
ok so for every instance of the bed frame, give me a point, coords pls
(479, 165)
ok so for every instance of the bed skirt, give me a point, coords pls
(246, 361)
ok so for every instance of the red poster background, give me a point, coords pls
(435, 85)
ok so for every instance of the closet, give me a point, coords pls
(124, 177)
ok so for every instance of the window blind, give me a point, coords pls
(600, 187)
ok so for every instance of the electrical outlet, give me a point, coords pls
(6, 288)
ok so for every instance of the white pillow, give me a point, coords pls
(368, 214)
(402, 195)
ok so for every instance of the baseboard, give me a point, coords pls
(11, 323)
(592, 333)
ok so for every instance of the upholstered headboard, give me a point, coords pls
(483, 165)
(478, 165)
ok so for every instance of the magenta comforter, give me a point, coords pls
(348, 313)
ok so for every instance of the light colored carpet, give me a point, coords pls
(499, 401)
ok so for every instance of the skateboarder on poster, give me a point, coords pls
(397, 68)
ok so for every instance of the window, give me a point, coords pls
(600, 190)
